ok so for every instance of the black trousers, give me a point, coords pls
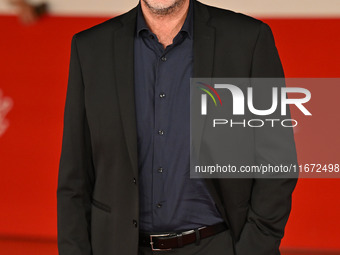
(219, 244)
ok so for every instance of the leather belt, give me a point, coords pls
(168, 241)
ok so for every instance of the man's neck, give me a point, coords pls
(166, 26)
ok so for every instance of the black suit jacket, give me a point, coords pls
(98, 176)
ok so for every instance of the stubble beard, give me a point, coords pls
(163, 10)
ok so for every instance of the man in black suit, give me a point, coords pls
(124, 184)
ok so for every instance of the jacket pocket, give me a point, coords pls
(101, 205)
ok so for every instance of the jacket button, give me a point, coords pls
(134, 223)
(134, 180)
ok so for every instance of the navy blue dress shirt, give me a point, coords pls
(169, 199)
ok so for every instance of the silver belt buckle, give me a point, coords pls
(152, 243)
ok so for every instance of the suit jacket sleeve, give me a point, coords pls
(75, 169)
(270, 203)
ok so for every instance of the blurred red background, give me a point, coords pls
(33, 72)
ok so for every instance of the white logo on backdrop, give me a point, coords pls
(6, 104)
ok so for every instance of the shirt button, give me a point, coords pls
(134, 180)
(161, 95)
(134, 223)
(160, 170)
(159, 205)
(161, 132)
(163, 58)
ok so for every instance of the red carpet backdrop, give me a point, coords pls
(33, 78)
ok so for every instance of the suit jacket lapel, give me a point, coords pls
(124, 74)
(204, 44)
(204, 52)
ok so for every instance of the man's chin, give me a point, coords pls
(163, 7)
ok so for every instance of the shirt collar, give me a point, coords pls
(187, 26)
